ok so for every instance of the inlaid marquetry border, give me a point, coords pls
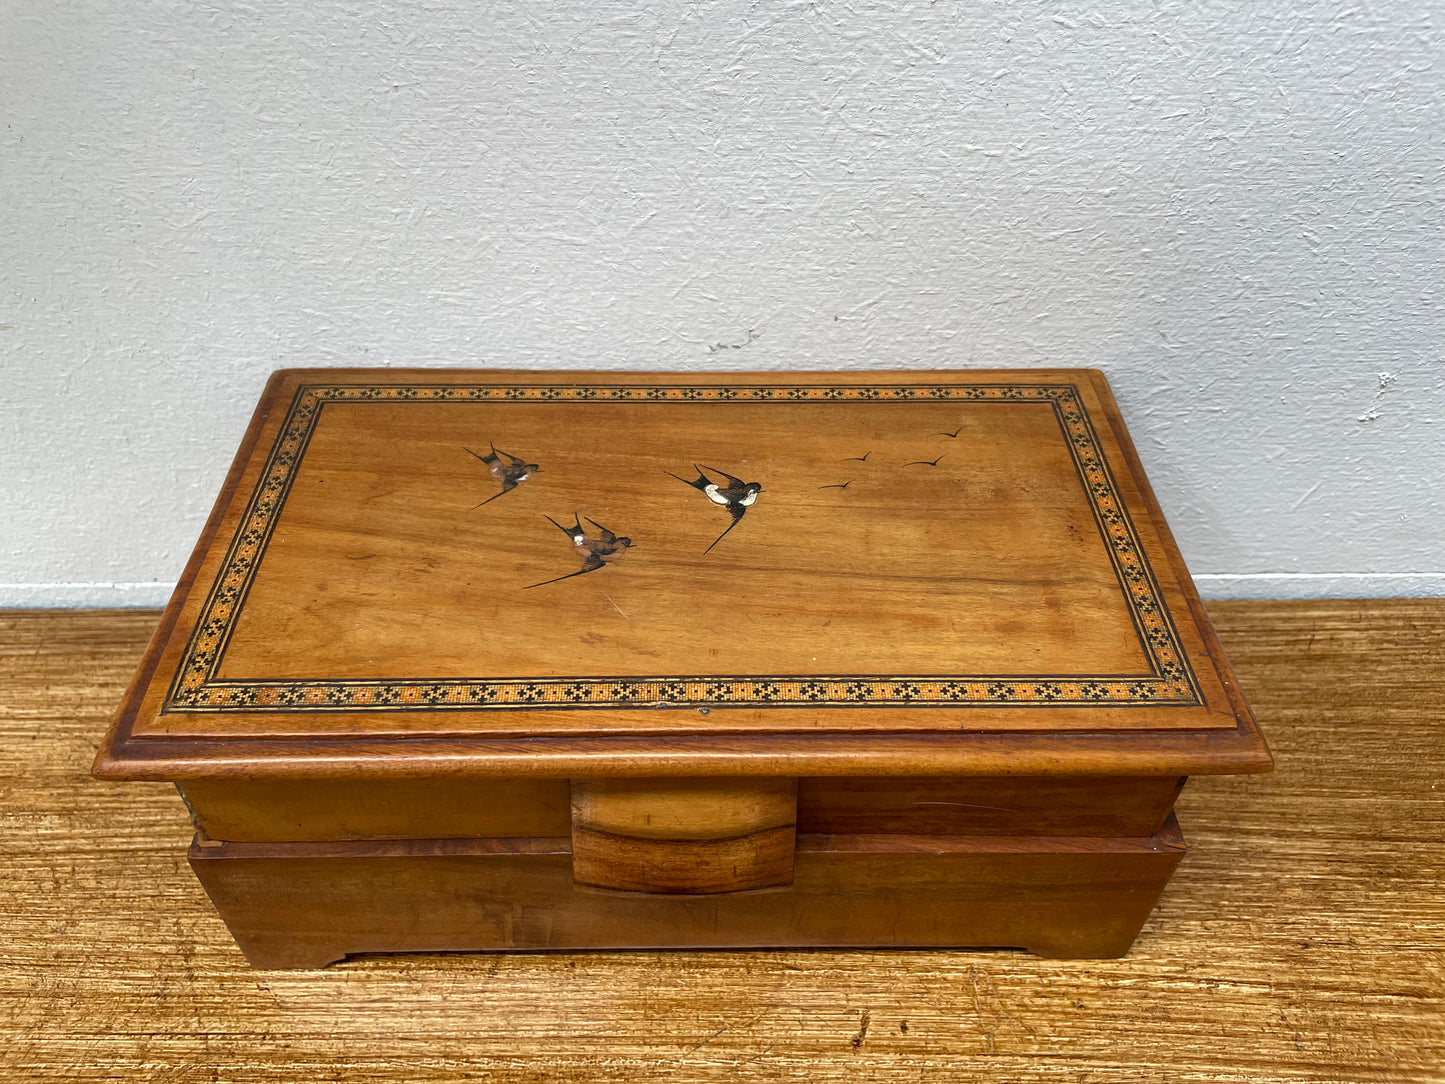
(195, 688)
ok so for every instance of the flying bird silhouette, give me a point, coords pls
(506, 469)
(953, 435)
(857, 458)
(595, 552)
(737, 496)
(924, 462)
(845, 485)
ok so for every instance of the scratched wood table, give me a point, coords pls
(1303, 938)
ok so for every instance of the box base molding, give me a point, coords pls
(305, 905)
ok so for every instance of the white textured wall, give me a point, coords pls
(1234, 209)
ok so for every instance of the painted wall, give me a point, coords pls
(1234, 209)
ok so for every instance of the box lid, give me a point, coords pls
(443, 571)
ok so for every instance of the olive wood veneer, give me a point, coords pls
(870, 658)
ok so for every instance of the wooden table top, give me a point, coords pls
(1303, 938)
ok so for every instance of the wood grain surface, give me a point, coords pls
(370, 579)
(307, 905)
(258, 811)
(1302, 939)
(683, 835)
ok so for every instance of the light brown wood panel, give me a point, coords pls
(252, 810)
(1042, 806)
(380, 522)
(303, 905)
(349, 587)
(261, 811)
(1301, 942)
(1062, 754)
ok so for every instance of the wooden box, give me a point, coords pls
(482, 660)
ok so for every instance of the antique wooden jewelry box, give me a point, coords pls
(483, 660)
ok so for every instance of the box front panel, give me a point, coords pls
(319, 810)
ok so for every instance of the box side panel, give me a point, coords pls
(302, 906)
(245, 810)
(1090, 806)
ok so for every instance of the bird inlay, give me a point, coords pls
(595, 552)
(507, 469)
(737, 496)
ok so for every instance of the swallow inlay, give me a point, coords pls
(507, 469)
(595, 552)
(737, 496)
